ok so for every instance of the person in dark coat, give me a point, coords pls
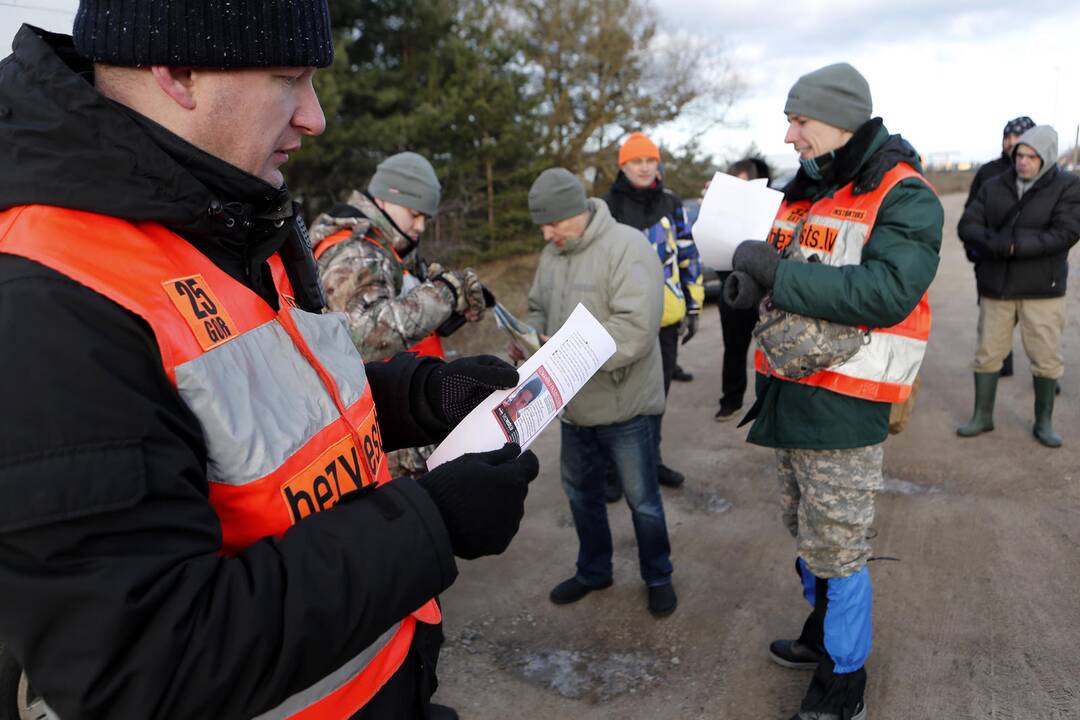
(737, 325)
(1013, 130)
(153, 141)
(1019, 229)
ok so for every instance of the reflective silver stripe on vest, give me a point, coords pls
(328, 337)
(258, 398)
(886, 358)
(850, 239)
(330, 683)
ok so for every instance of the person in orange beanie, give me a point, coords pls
(638, 198)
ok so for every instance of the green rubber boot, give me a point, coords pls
(983, 418)
(1045, 389)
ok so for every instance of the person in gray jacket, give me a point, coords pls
(593, 260)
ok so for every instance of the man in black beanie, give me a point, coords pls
(196, 516)
(854, 246)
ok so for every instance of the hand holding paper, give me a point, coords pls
(733, 210)
(549, 380)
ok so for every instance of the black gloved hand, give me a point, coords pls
(481, 497)
(455, 388)
(757, 259)
(741, 292)
(690, 324)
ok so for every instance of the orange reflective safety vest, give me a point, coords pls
(430, 346)
(282, 397)
(834, 230)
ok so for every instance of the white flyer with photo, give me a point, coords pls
(733, 210)
(548, 381)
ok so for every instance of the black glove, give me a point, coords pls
(455, 388)
(741, 292)
(757, 259)
(481, 497)
(691, 328)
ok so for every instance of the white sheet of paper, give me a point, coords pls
(549, 380)
(733, 210)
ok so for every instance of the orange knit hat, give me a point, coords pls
(637, 146)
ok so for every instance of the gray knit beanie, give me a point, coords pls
(556, 195)
(837, 95)
(407, 179)
(205, 33)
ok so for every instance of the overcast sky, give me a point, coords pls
(946, 74)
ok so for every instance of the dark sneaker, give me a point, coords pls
(681, 375)
(860, 715)
(441, 712)
(793, 654)
(569, 591)
(662, 600)
(726, 412)
(612, 485)
(667, 476)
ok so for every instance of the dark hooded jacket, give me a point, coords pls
(115, 599)
(1021, 243)
(898, 264)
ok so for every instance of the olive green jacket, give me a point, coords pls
(614, 272)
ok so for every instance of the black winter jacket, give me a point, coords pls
(989, 170)
(114, 598)
(1021, 246)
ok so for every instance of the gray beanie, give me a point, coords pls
(407, 179)
(837, 95)
(556, 195)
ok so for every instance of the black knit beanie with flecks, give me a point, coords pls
(205, 33)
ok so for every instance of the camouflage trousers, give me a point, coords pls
(409, 462)
(827, 504)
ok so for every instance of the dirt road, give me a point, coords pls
(977, 592)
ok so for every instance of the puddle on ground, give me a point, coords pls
(593, 677)
(897, 486)
(706, 502)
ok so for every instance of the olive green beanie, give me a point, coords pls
(556, 195)
(837, 95)
(407, 179)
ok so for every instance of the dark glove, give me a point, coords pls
(757, 259)
(741, 292)
(481, 497)
(971, 250)
(691, 328)
(455, 388)
(993, 246)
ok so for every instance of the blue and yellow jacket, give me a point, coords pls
(659, 214)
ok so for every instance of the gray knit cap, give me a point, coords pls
(556, 195)
(407, 179)
(837, 95)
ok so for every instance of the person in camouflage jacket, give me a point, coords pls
(371, 271)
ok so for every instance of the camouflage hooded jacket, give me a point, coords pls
(389, 308)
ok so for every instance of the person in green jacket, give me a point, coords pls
(605, 266)
(859, 234)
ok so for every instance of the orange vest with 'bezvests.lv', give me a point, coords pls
(834, 230)
(282, 397)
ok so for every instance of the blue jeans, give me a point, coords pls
(631, 447)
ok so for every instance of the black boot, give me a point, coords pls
(833, 696)
(982, 420)
(1007, 366)
(668, 477)
(1044, 411)
(808, 650)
